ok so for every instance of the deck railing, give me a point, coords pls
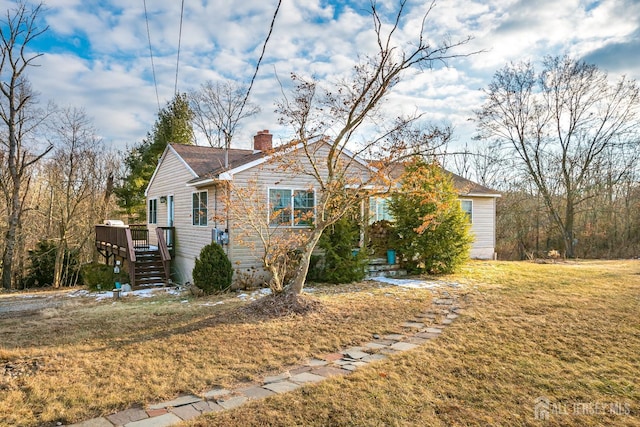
(123, 241)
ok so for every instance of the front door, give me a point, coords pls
(170, 216)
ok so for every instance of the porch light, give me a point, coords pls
(163, 199)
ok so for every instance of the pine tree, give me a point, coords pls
(433, 228)
(173, 125)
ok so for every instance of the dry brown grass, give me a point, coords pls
(84, 360)
(567, 331)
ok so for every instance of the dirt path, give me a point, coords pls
(23, 305)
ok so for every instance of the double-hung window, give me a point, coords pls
(467, 208)
(379, 210)
(199, 208)
(153, 211)
(291, 208)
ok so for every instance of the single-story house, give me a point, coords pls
(187, 192)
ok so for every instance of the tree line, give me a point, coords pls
(561, 144)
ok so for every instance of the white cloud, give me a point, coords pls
(222, 39)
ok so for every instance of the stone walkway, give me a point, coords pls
(425, 326)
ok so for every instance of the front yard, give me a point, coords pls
(566, 332)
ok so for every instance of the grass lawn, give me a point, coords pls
(569, 332)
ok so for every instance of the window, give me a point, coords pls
(153, 211)
(291, 208)
(467, 208)
(379, 210)
(199, 208)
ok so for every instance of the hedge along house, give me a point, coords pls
(191, 186)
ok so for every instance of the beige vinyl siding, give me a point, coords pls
(264, 177)
(171, 179)
(483, 227)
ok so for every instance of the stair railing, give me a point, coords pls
(164, 252)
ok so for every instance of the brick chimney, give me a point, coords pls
(263, 141)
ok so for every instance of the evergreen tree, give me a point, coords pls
(433, 228)
(173, 125)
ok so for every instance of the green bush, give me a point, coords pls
(97, 276)
(213, 271)
(42, 264)
(433, 228)
(339, 263)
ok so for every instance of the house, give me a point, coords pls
(188, 192)
(477, 201)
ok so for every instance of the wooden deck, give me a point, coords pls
(146, 264)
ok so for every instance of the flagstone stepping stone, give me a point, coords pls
(256, 392)
(94, 422)
(316, 362)
(413, 325)
(332, 357)
(127, 416)
(403, 346)
(186, 412)
(426, 335)
(375, 345)
(216, 393)
(300, 370)
(276, 378)
(165, 420)
(206, 407)
(282, 386)
(349, 367)
(182, 400)
(330, 371)
(452, 316)
(394, 337)
(433, 330)
(374, 357)
(356, 354)
(232, 402)
(306, 377)
(388, 351)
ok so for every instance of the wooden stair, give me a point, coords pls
(149, 269)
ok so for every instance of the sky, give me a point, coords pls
(97, 56)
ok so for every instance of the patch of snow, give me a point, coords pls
(414, 284)
(211, 304)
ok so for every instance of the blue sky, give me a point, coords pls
(96, 52)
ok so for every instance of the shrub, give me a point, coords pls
(213, 271)
(339, 263)
(433, 228)
(97, 276)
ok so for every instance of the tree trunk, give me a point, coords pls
(297, 285)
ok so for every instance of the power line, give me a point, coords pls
(153, 68)
(175, 89)
(264, 47)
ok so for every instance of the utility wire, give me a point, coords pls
(153, 68)
(264, 47)
(175, 89)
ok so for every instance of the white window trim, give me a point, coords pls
(192, 209)
(154, 199)
(471, 213)
(293, 190)
(373, 216)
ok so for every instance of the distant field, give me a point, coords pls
(566, 332)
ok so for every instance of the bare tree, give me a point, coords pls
(19, 30)
(559, 122)
(218, 109)
(348, 116)
(74, 179)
